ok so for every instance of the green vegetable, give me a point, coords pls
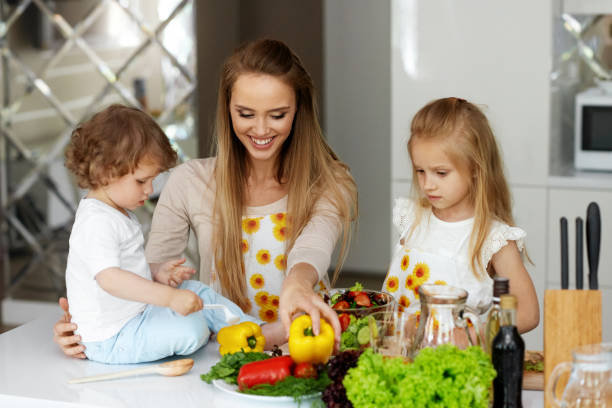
(442, 377)
(363, 335)
(292, 387)
(228, 367)
(538, 367)
(357, 287)
(349, 338)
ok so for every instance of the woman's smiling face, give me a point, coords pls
(262, 108)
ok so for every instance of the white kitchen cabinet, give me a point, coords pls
(497, 57)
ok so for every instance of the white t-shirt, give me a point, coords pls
(102, 237)
(438, 252)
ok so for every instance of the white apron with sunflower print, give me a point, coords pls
(263, 247)
(438, 252)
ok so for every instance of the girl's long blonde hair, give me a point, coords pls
(466, 137)
(306, 163)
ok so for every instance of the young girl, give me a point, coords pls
(457, 228)
(124, 314)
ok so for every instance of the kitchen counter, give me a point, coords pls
(34, 373)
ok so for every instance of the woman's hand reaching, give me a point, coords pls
(297, 295)
(63, 333)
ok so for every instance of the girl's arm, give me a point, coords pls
(507, 262)
(128, 285)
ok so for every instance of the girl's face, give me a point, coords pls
(445, 186)
(132, 190)
(262, 108)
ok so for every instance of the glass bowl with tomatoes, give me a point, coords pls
(355, 303)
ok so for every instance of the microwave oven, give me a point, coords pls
(593, 130)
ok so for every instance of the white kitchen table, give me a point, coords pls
(35, 373)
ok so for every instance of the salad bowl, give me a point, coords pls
(354, 305)
(359, 302)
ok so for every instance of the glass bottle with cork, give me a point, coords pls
(501, 286)
(507, 354)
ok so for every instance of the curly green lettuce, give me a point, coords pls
(442, 377)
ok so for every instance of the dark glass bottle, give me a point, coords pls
(500, 287)
(508, 353)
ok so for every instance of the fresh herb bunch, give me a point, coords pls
(292, 387)
(228, 367)
(442, 377)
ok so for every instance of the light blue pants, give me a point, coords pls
(160, 332)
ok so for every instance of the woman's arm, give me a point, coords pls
(170, 223)
(307, 263)
(128, 285)
(507, 262)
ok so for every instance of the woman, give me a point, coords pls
(268, 209)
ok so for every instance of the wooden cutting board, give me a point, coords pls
(533, 380)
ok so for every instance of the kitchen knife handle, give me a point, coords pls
(593, 238)
(579, 250)
(564, 255)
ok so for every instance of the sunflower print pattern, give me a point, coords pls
(257, 281)
(263, 247)
(409, 269)
(251, 225)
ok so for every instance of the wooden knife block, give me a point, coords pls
(572, 318)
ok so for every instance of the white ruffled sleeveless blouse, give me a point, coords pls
(438, 252)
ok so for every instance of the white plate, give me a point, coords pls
(233, 389)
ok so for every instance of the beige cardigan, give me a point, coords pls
(187, 201)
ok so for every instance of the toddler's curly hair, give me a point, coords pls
(113, 142)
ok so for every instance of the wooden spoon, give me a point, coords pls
(169, 369)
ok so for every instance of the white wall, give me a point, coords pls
(497, 56)
(357, 112)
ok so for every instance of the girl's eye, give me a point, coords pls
(246, 115)
(442, 173)
(280, 116)
(140, 181)
(420, 171)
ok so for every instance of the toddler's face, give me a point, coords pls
(445, 186)
(133, 189)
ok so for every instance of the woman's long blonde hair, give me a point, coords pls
(466, 137)
(306, 163)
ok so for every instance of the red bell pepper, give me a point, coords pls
(267, 371)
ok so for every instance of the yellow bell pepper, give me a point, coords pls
(305, 347)
(245, 336)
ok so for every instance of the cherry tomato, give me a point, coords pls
(305, 370)
(345, 320)
(341, 305)
(363, 300)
